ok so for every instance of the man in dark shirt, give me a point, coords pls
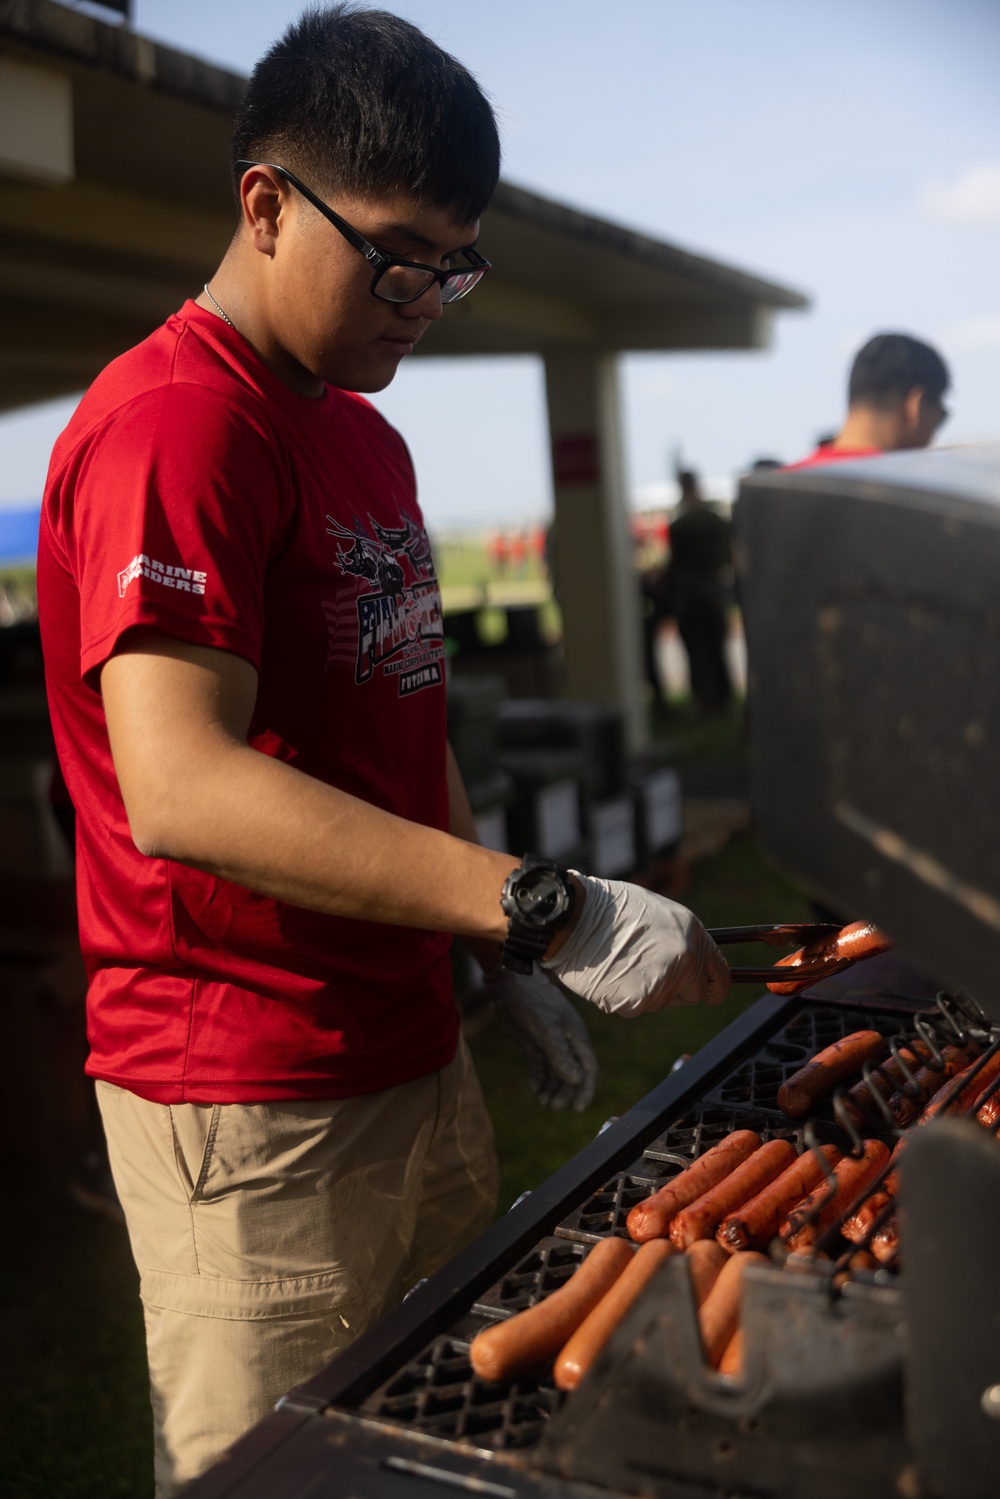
(700, 561)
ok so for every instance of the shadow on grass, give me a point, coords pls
(75, 1420)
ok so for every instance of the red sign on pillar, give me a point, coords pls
(576, 459)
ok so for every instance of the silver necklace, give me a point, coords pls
(218, 309)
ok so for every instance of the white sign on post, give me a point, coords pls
(557, 814)
(612, 836)
(661, 795)
(492, 829)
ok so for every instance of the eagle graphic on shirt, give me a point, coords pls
(400, 625)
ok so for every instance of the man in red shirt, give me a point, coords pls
(894, 400)
(244, 653)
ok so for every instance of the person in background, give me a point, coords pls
(699, 593)
(655, 608)
(895, 399)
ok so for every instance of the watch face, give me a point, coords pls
(540, 896)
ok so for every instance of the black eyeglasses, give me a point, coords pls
(394, 280)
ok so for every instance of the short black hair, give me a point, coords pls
(362, 101)
(890, 366)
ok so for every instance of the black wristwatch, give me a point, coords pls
(537, 899)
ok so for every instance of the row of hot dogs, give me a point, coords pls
(732, 1202)
(573, 1324)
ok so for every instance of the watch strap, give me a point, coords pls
(522, 950)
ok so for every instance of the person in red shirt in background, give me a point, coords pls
(244, 652)
(894, 400)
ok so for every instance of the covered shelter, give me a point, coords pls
(117, 205)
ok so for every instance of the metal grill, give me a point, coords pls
(549, 1265)
(604, 1213)
(438, 1394)
(755, 1083)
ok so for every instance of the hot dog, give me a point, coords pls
(885, 1245)
(859, 939)
(885, 1079)
(719, 1316)
(510, 1347)
(702, 1218)
(906, 1110)
(858, 1225)
(731, 1362)
(651, 1219)
(799, 1096)
(989, 1114)
(851, 1178)
(755, 1223)
(966, 1095)
(596, 1328)
(705, 1261)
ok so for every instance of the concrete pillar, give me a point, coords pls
(596, 579)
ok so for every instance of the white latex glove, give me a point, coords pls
(632, 951)
(562, 1068)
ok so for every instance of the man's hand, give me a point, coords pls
(630, 951)
(562, 1068)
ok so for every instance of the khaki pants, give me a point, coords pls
(268, 1236)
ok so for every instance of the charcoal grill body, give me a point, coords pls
(400, 1413)
(870, 592)
(818, 1414)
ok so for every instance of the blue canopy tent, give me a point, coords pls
(19, 534)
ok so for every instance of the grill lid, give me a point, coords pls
(871, 595)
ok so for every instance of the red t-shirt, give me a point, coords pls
(828, 454)
(194, 493)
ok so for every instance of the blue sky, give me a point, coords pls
(848, 147)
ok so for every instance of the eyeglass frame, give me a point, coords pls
(375, 257)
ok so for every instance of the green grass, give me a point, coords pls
(693, 737)
(466, 563)
(735, 887)
(18, 583)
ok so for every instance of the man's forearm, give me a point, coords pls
(195, 791)
(462, 824)
(265, 825)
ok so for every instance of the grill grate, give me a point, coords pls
(437, 1393)
(605, 1212)
(549, 1265)
(755, 1083)
(709, 1123)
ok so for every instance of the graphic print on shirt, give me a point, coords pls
(400, 627)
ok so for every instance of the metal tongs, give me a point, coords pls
(783, 934)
